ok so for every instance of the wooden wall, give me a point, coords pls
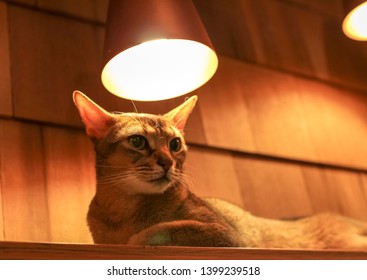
(280, 129)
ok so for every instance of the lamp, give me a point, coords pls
(355, 23)
(155, 49)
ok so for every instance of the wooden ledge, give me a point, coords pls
(60, 251)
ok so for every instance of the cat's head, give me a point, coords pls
(137, 153)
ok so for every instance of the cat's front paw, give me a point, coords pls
(158, 239)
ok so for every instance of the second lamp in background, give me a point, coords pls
(355, 22)
(156, 49)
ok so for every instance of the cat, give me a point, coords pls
(142, 195)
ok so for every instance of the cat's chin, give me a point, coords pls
(156, 186)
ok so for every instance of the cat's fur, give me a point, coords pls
(142, 195)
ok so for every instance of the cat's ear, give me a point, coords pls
(97, 120)
(180, 114)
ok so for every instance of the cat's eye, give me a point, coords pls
(138, 142)
(175, 145)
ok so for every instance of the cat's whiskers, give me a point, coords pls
(135, 108)
(110, 166)
(185, 180)
(110, 182)
(103, 164)
(114, 175)
(115, 181)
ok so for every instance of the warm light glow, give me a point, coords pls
(355, 23)
(159, 69)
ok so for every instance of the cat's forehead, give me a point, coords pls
(146, 124)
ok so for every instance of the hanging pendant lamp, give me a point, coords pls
(155, 49)
(355, 22)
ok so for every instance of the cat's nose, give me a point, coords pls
(165, 162)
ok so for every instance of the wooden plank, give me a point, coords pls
(70, 176)
(253, 29)
(284, 43)
(227, 27)
(249, 108)
(363, 177)
(223, 109)
(276, 116)
(51, 57)
(88, 9)
(284, 37)
(273, 189)
(333, 8)
(95, 10)
(41, 251)
(350, 193)
(347, 59)
(311, 28)
(336, 123)
(276, 42)
(213, 175)
(322, 195)
(23, 187)
(26, 2)
(2, 237)
(337, 191)
(5, 83)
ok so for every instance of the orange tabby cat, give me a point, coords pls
(142, 196)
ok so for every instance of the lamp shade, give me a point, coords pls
(355, 22)
(155, 49)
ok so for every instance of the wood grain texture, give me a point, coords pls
(336, 123)
(5, 95)
(61, 55)
(347, 59)
(363, 177)
(322, 195)
(337, 191)
(92, 10)
(5, 84)
(281, 37)
(45, 251)
(222, 104)
(330, 7)
(87, 9)
(277, 114)
(213, 175)
(349, 191)
(285, 35)
(272, 189)
(2, 231)
(24, 195)
(311, 29)
(70, 179)
(23, 2)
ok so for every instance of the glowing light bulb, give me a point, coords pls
(355, 23)
(159, 69)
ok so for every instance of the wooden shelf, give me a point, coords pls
(58, 251)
